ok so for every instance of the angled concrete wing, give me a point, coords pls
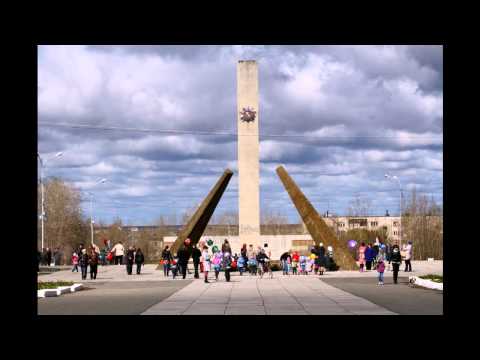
(316, 226)
(198, 222)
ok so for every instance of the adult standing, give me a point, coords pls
(226, 247)
(167, 259)
(93, 262)
(408, 256)
(183, 256)
(119, 251)
(49, 257)
(284, 260)
(396, 262)
(39, 259)
(243, 253)
(139, 260)
(196, 255)
(388, 255)
(129, 258)
(84, 263)
(321, 259)
(361, 256)
(369, 256)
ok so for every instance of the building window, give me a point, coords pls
(395, 233)
(373, 223)
(395, 223)
(341, 224)
(358, 222)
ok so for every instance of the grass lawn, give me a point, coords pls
(53, 284)
(432, 277)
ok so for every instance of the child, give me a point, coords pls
(206, 262)
(241, 265)
(174, 267)
(252, 265)
(75, 262)
(295, 259)
(380, 269)
(303, 265)
(217, 263)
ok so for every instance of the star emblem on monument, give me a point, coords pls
(247, 114)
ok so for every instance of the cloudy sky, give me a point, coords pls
(159, 123)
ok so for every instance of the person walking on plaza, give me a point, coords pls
(103, 257)
(75, 262)
(284, 259)
(295, 261)
(380, 269)
(217, 263)
(205, 258)
(396, 260)
(166, 259)
(119, 251)
(408, 257)
(129, 259)
(196, 255)
(361, 256)
(183, 257)
(369, 256)
(84, 263)
(241, 265)
(93, 262)
(139, 260)
(227, 264)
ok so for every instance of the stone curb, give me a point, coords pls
(415, 280)
(59, 291)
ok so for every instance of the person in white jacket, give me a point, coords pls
(118, 250)
(408, 257)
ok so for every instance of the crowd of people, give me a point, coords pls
(254, 261)
(93, 256)
(374, 256)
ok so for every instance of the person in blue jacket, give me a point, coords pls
(369, 256)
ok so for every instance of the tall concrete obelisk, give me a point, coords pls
(248, 152)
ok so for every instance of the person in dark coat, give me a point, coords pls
(83, 261)
(129, 257)
(93, 262)
(139, 260)
(49, 256)
(183, 256)
(396, 260)
(39, 260)
(57, 257)
(285, 262)
(322, 262)
(196, 255)
(369, 256)
(167, 260)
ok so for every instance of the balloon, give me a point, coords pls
(210, 242)
(352, 243)
(215, 248)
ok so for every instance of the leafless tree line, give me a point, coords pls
(422, 223)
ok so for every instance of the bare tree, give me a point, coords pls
(359, 206)
(422, 223)
(65, 225)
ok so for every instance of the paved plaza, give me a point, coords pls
(336, 293)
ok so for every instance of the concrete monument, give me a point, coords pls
(248, 152)
(199, 221)
(315, 224)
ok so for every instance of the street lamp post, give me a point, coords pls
(388, 176)
(101, 181)
(42, 216)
